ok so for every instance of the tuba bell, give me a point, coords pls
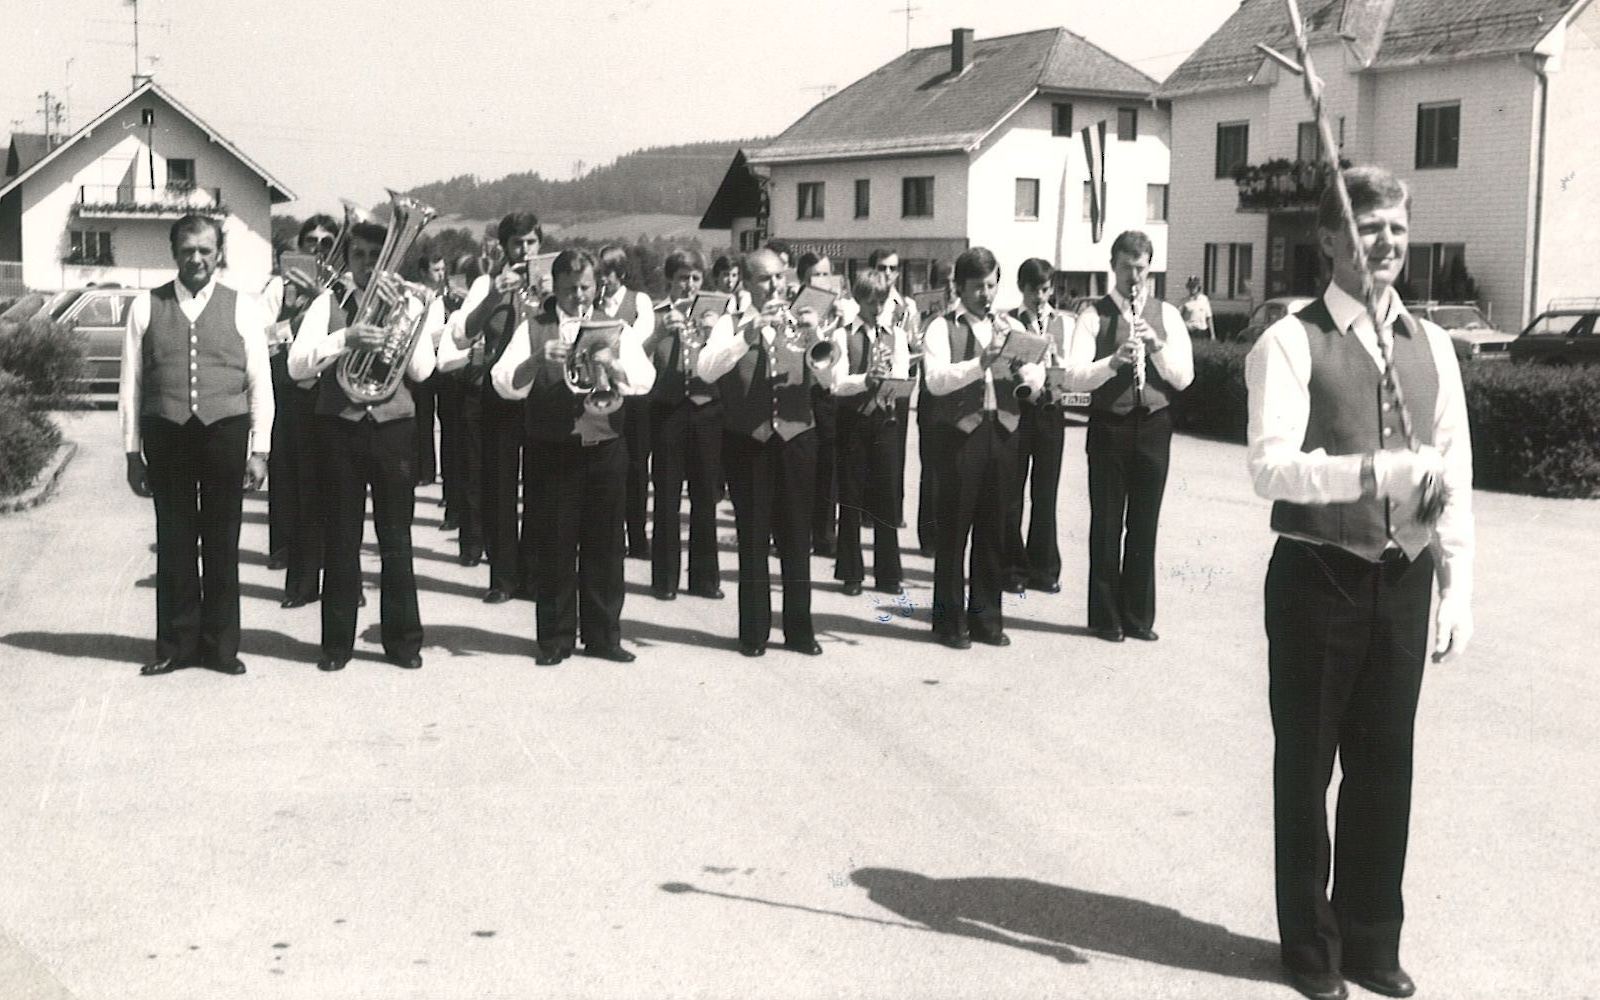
(372, 376)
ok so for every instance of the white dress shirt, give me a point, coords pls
(249, 318)
(639, 375)
(318, 346)
(1175, 360)
(1278, 375)
(725, 344)
(845, 384)
(645, 324)
(944, 376)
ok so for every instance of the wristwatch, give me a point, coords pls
(1369, 475)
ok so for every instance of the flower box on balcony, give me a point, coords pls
(1282, 185)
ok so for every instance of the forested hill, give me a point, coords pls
(675, 180)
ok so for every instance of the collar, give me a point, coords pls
(1046, 311)
(1123, 305)
(615, 298)
(562, 317)
(971, 317)
(1346, 310)
(203, 295)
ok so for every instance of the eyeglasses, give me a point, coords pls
(323, 242)
(888, 267)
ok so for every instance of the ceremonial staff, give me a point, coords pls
(1434, 491)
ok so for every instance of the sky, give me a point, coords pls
(342, 98)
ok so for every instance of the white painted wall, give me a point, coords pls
(1205, 207)
(884, 223)
(140, 246)
(1569, 243)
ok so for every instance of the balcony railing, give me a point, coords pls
(1282, 185)
(123, 201)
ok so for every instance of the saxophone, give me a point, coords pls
(372, 376)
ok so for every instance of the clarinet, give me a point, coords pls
(1136, 309)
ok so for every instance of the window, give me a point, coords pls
(1436, 272)
(1227, 270)
(1561, 325)
(1028, 198)
(90, 246)
(1088, 201)
(914, 274)
(1308, 143)
(916, 198)
(180, 174)
(1233, 147)
(1155, 203)
(1127, 124)
(102, 309)
(1060, 119)
(749, 239)
(863, 198)
(1438, 135)
(810, 198)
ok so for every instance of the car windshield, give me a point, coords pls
(1459, 318)
(1558, 325)
(59, 305)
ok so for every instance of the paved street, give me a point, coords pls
(1064, 818)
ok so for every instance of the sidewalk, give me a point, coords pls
(1063, 818)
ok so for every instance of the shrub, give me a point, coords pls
(48, 357)
(1229, 324)
(27, 439)
(1215, 404)
(1535, 428)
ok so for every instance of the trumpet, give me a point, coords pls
(692, 335)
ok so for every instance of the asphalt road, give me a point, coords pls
(1063, 818)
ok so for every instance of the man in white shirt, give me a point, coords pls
(195, 399)
(1351, 430)
(617, 301)
(364, 445)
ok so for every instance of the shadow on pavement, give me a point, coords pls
(139, 649)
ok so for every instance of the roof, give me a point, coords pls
(913, 104)
(277, 192)
(1384, 33)
(26, 149)
(738, 196)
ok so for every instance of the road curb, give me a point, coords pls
(44, 483)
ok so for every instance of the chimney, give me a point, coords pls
(960, 50)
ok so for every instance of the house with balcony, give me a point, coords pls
(1486, 109)
(96, 206)
(974, 143)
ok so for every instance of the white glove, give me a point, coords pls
(1400, 474)
(1453, 627)
(1032, 376)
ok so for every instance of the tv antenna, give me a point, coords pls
(907, 10)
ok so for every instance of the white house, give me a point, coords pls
(974, 144)
(97, 206)
(1488, 111)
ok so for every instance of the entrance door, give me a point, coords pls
(1305, 272)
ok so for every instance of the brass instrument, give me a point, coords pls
(589, 375)
(693, 332)
(371, 376)
(822, 352)
(1045, 396)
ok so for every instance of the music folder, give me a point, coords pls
(932, 302)
(1024, 347)
(715, 303)
(896, 388)
(813, 297)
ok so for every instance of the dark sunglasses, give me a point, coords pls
(322, 242)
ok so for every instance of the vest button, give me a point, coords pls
(1387, 431)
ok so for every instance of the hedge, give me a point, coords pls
(41, 367)
(1535, 428)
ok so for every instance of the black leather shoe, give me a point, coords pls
(998, 639)
(709, 593)
(808, 648)
(663, 594)
(470, 560)
(1143, 634)
(952, 641)
(329, 664)
(638, 552)
(296, 602)
(496, 596)
(752, 649)
(412, 662)
(852, 588)
(1387, 982)
(278, 560)
(449, 523)
(165, 666)
(1047, 586)
(550, 656)
(616, 654)
(890, 587)
(233, 667)
(1318, 985)
(824, 549)
(1016, 587)
(1109, 634)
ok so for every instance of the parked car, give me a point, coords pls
(1473, 336)
(1561, 336)
(99, 314)
(1268, 313)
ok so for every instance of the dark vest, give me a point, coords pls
(498, 326)
(1117, 394)
(752, 405)
(666, 354)
(1352, 414)
(858, 358)
(553, 410)
(963, 409)
(331, 398)
(193, 369)
(628, 311)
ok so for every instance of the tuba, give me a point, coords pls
(371, 376)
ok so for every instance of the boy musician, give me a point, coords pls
(361, 445)
(489, 317)
(1036, 563)
(770, 452)
(582, 462)
(972, 425)
(903, 313)
(686, 438)
(872, 349)
(618, 301)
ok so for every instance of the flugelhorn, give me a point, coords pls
(589, 375)
(371, 376)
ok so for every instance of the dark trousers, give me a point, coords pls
(196, 477)
(927, 487)
(902, 413)
(974, 469)
(294, 449)
(448, 392)
(469, 489)
(771, 483)
(636, 431)
(1127, 477)
(507, 536)
(580, 493)
(281, 510)
(1347, 640)
(686, 444)
(423, 394)
(825, 494)
(1040, 438)
(869, 453)
(353, 456)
